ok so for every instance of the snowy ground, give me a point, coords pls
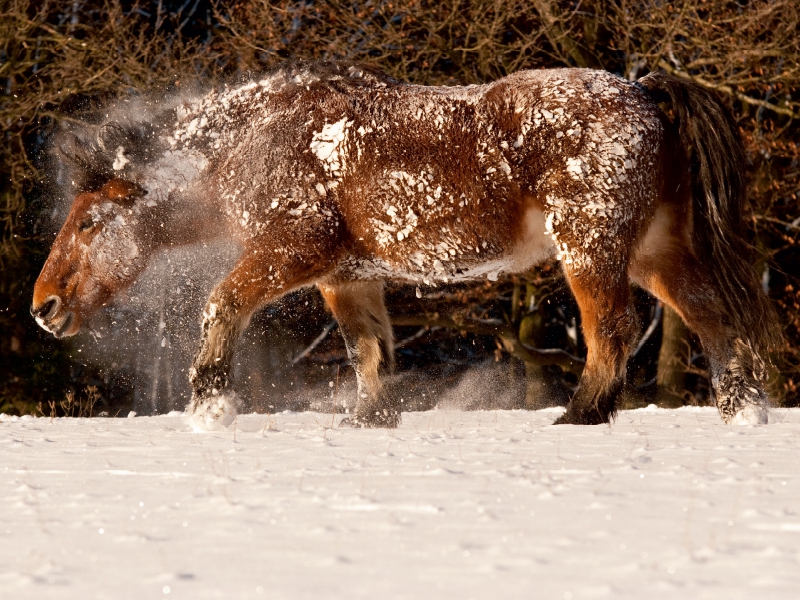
(663, 504)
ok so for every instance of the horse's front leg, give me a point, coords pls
(367, 332)
(610, 328)
(224, 318)
(255, 280)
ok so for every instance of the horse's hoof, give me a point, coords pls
(387, 419)
(751, 415)
(213, 412)
(586, 418)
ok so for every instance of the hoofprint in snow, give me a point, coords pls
(452, 504)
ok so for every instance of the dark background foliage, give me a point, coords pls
(65, 60)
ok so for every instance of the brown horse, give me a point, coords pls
(337, 176)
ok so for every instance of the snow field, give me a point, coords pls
(453, 504)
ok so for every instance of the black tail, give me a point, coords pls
(718, 165)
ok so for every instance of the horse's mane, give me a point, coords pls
(85, 149)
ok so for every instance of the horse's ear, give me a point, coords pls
(122, 192)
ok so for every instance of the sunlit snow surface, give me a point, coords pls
(663, 504)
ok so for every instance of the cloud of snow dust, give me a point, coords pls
(149, 335)
(490, 386)
(144, 342)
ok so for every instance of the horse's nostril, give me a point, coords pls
(50, 305)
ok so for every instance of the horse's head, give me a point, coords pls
(100, 250)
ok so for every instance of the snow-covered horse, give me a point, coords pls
(338, 176)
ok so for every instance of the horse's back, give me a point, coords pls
(445, 183)
(457, 183)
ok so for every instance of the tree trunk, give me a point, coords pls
(672, 360)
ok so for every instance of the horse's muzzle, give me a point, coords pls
(50, 318)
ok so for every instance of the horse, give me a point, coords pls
(336, 175)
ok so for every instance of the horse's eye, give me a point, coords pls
(86, 224)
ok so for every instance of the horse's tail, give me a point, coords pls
(717, 160)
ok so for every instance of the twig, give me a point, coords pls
(512, 345)
(650, 329)
(422, 331)
(793, 225)
(319, 339)
(728, 90)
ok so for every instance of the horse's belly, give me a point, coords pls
(533, 244)
(513, 253)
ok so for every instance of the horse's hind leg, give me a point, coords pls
(367, 332)
(610, 328)
(668, 268)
